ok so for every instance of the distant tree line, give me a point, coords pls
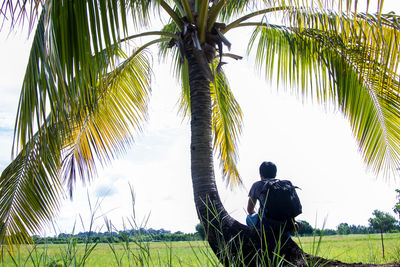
(380, 222)
(142, 235)
(342, 229)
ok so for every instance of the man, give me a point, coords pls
(267, 171)
(279, 203)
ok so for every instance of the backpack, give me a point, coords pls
(281, 201)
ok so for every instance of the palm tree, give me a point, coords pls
(85, 92)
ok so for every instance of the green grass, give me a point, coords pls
(148, 254)
(350, 248)
(354, 248)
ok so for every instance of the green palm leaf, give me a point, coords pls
(30, 190)
(106, 131)
(324, 57)
(62, 68)
(368, 46)
(46, 86)
(15, 11)
(31, 185)
(184, 100)
(226, 126)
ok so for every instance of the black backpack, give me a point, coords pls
(281, 201)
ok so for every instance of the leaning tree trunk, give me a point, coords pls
(234, 244)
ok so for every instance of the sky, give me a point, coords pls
(311, 145)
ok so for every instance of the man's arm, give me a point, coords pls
(250, 206)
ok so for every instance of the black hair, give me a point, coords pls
(267, 170)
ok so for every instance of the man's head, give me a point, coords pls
(267, 170)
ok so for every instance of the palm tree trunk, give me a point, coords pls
(210, 210)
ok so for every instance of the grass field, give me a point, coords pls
(354, 248)
(351, 248)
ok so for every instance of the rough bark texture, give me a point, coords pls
(235, 244)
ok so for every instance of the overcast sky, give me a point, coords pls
(311, 146)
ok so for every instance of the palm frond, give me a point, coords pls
(141, 11)
(370, 46)
(61, 69)
(226, 126)
(179, 68)
(188, 9)
(164, 47)
(30, 191)
(31, 186)
(349, 61)
(105, 132)
(71, 23)
(228, 10)
(15, 11)
(184, 100)
(233, 8)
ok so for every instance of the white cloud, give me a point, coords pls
(105, 190)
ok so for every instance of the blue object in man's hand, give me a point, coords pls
(252, 219)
